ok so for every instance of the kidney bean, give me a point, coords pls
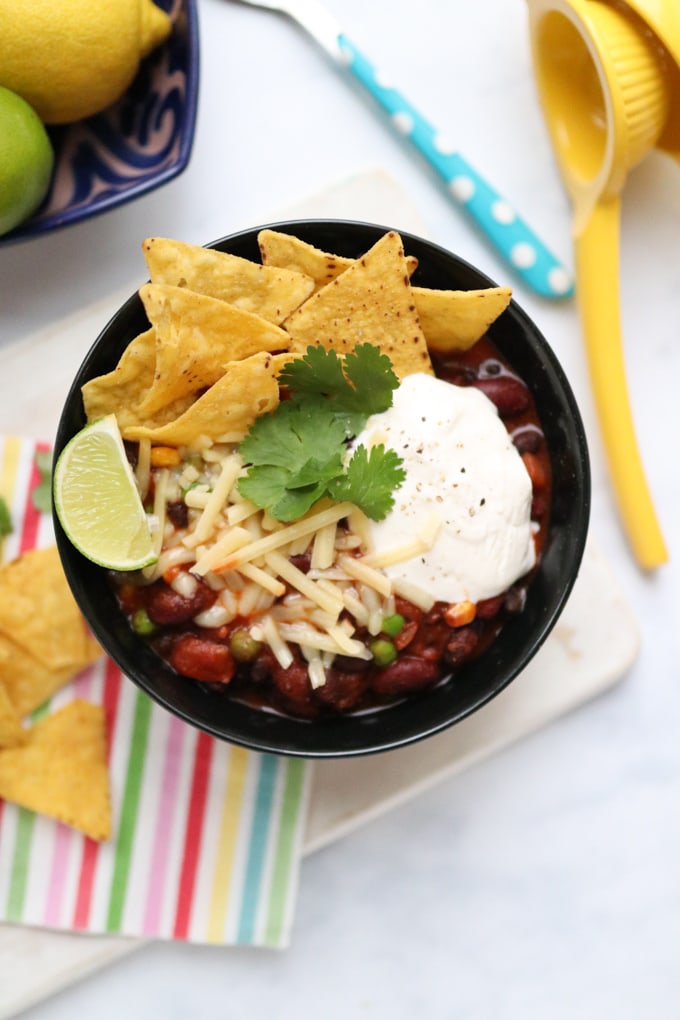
(167, 607)
(405, 675)
(461, 645)
(178, 512)
(302, 561)
(343, 689)
(509, 394)
(349, 664)
(430, 640)
(202, 659)
(527, 439)
(487, 608)
(293, 686)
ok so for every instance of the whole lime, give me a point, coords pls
(26, 160)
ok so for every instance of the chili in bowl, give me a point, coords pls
(361, 619)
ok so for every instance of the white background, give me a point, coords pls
(544, 883)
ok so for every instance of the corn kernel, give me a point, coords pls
(164, 456)
(458, 614)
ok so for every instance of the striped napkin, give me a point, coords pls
(207, 836)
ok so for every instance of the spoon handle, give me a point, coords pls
(597, 273)
(515, 241)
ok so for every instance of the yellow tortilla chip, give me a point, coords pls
(38, 612)
(61, 770)
(289, 252)
(11, 730)
(450, 319)
(29, 682)
(228, 408)
(454, 320)
(371, 302)
(126, 385)
(271, 293)
(196, 336)
(122, 390)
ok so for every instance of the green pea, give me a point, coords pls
(243, 646)
(393, 625)
(142, 623)
(383, 651)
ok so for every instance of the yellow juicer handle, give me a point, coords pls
(597, 276)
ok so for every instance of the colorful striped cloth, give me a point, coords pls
(207, 836)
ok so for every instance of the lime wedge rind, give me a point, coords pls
(97, 500)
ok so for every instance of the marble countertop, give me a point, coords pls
(543, 882)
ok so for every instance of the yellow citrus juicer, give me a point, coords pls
(608, 77)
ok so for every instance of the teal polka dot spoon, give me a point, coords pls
(493, 215)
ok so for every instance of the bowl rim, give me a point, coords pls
(421, 726)
(32, 228)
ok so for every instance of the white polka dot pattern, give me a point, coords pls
(515, 241)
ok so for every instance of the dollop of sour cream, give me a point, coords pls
(463, 474)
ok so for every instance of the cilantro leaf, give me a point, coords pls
(296, 454)
(319, 372)
(41, 496)
(370, 479)
(363, 388)
(373, 378)
(290, 435)
(6, 526)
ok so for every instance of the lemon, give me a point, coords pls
(97, 501)
(26, 160)
(74, 58)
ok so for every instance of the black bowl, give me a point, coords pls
(520, 341)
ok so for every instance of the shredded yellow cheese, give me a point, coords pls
(331, 603)
(231, 468)
(373, 578)
(277, 539)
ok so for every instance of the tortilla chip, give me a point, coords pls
(39, 614)
(371, 302)
(454, 320)
(289, 252)
(196, 336)
(122, 390)
(61, 770)
(29, 682)
(271, 293)
(228, 408)
(450, 320)
(11, 730)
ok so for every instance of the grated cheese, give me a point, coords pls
(232, 540)
(358, 569)
(271, 634)
(302, 633)
(231, 468)
(263, 578)
(323, 550)
(278, 539)
(412, 593)
(316, 671)
(332, 603)
(143, 469)
(422, 543)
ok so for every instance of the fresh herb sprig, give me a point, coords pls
(298, 452)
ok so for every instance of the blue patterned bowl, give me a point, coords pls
(135, 145)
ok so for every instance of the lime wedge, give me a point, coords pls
(97, 501)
